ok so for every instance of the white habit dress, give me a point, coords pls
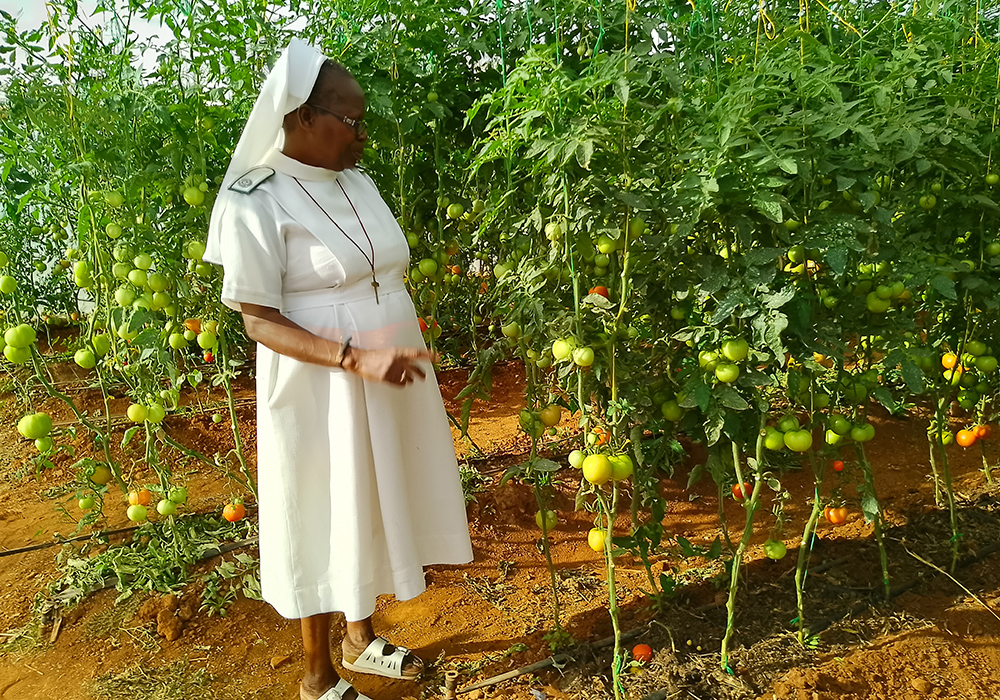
(358, 482)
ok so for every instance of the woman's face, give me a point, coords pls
(330, 142)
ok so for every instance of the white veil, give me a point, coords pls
(286, 88)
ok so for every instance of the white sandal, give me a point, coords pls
(338, 692)
(374, 660)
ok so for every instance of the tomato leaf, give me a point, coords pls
(869, 506)
(540, 464)
(884, 397)
(730, 398)
(913, 376)
(687, 549)
(836, 258)
(129, 434)
(945, 286)
(768, 204)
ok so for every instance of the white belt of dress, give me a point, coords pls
(359, 291)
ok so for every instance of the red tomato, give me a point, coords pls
(599, 289)
(423, 325)
(642, 653)
(740, 494)
(208, 356)
(838, 466)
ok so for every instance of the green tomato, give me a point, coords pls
(576, 458)
(840, 424)
(798, 440)
(85, 358)
(511, 330)
(774, 439)
(8, 284)
(166, 507)
(427, 267)
(583, 357)
(562, 348)
(179, 495)
(86, 503)
(727, 373)
(136, 513)
(774, 549)
(672, 411)
(987, 364)
(20, 336)
(207, 340)
(547, 518)
(35, 426)
(788, 423)
(736, 350)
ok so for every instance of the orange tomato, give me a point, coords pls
(600, 436)
(983, 431)
(835, 516)
(234, 511)
(966, 438)
(599, 289)
(142, 497)
(483, 287)
(456, 270)
(193, 324)
(949, 360)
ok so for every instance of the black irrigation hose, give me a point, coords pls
(896, 591)
(556, 660)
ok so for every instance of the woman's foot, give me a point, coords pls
(353, 647)
(313, 690)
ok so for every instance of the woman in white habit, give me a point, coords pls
(357, 477)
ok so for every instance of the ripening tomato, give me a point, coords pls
(966, 438)
(596, 538)
(234, 511)
(835, 516)
(550, 415)
(949, 360)
(142, 497)
(597, 469)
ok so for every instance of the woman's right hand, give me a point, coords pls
(397, 366)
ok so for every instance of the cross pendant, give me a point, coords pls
(375, 287)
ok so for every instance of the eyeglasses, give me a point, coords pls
(360, 129)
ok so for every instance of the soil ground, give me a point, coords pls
(939, 638)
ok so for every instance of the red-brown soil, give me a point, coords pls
(488, 617)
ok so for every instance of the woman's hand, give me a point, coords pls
(393, 365)
(397, 366)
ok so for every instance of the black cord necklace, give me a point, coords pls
(370, 261)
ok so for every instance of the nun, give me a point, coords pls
(358, 482)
